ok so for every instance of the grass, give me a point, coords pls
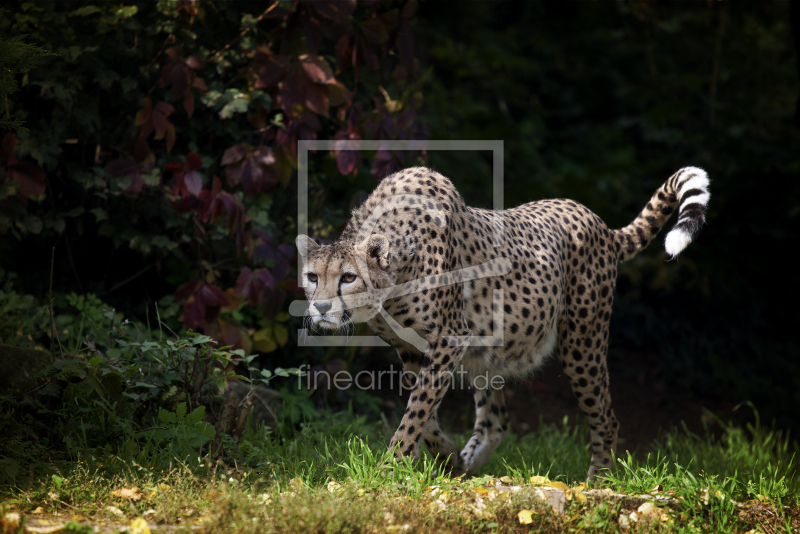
(332, 476)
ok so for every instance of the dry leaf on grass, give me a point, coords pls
(539, 480)
(526, 516)
(128, 493)
(114, 510)
(139, 526)
(39, 510)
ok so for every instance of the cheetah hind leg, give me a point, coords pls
(491, 426)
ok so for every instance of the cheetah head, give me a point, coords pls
(343, 281)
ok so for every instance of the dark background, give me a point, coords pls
(595, 101)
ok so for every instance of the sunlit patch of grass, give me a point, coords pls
(335, 475)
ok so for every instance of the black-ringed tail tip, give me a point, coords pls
(691, 185)
(687, 190)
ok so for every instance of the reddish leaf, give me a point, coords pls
(31, 178)
(317, 69)
(347, 160)
(211, 295)
(164, 108)
(9, 144)
(337, 11)
(143, 116)
(194, 62)
(233, 154)
(252, 175)
(264, 155)
(193, 313)
(199, 84)
(174, 52)
(185, 205)
(188, 103)
(272, 70)
(208, 200)
(344, 51)
(193, 161)
(234, 174)
(193, 182)
(186, 290)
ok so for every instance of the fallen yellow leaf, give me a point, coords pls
(39, 510)
(506, 480)
(558, 485)
(140, 526)
(539, 480)
(128, 493)
(481, 490)
(334, 486)
(580, 497)
(568, 495)
(526, 516)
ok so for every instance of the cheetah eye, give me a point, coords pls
(348, 278)
(312, 278)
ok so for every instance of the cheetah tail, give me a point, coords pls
(687, 187)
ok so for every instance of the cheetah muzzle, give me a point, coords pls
(420, 267)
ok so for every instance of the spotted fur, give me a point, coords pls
(553, 277)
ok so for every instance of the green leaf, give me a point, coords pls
(202, 434)
(166, 417)
(33, 224)
(222, 383)
(281, 334)
(180, 411)
(85, 11)
(238, 104)
(266, 373)
(196, 416)
(100, 214)
(57, 481)
(128, 11)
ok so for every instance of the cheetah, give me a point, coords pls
(426, 273)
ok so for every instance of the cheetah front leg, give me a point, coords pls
(441, 447)
(435, 376)
(491, 426)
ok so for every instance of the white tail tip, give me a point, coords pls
(677, 240)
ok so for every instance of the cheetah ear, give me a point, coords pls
(306, 245)
(376, 248)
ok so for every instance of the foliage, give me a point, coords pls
(191, 175)
(16, 57)
(120, 389)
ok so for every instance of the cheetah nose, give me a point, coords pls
(322, 307)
